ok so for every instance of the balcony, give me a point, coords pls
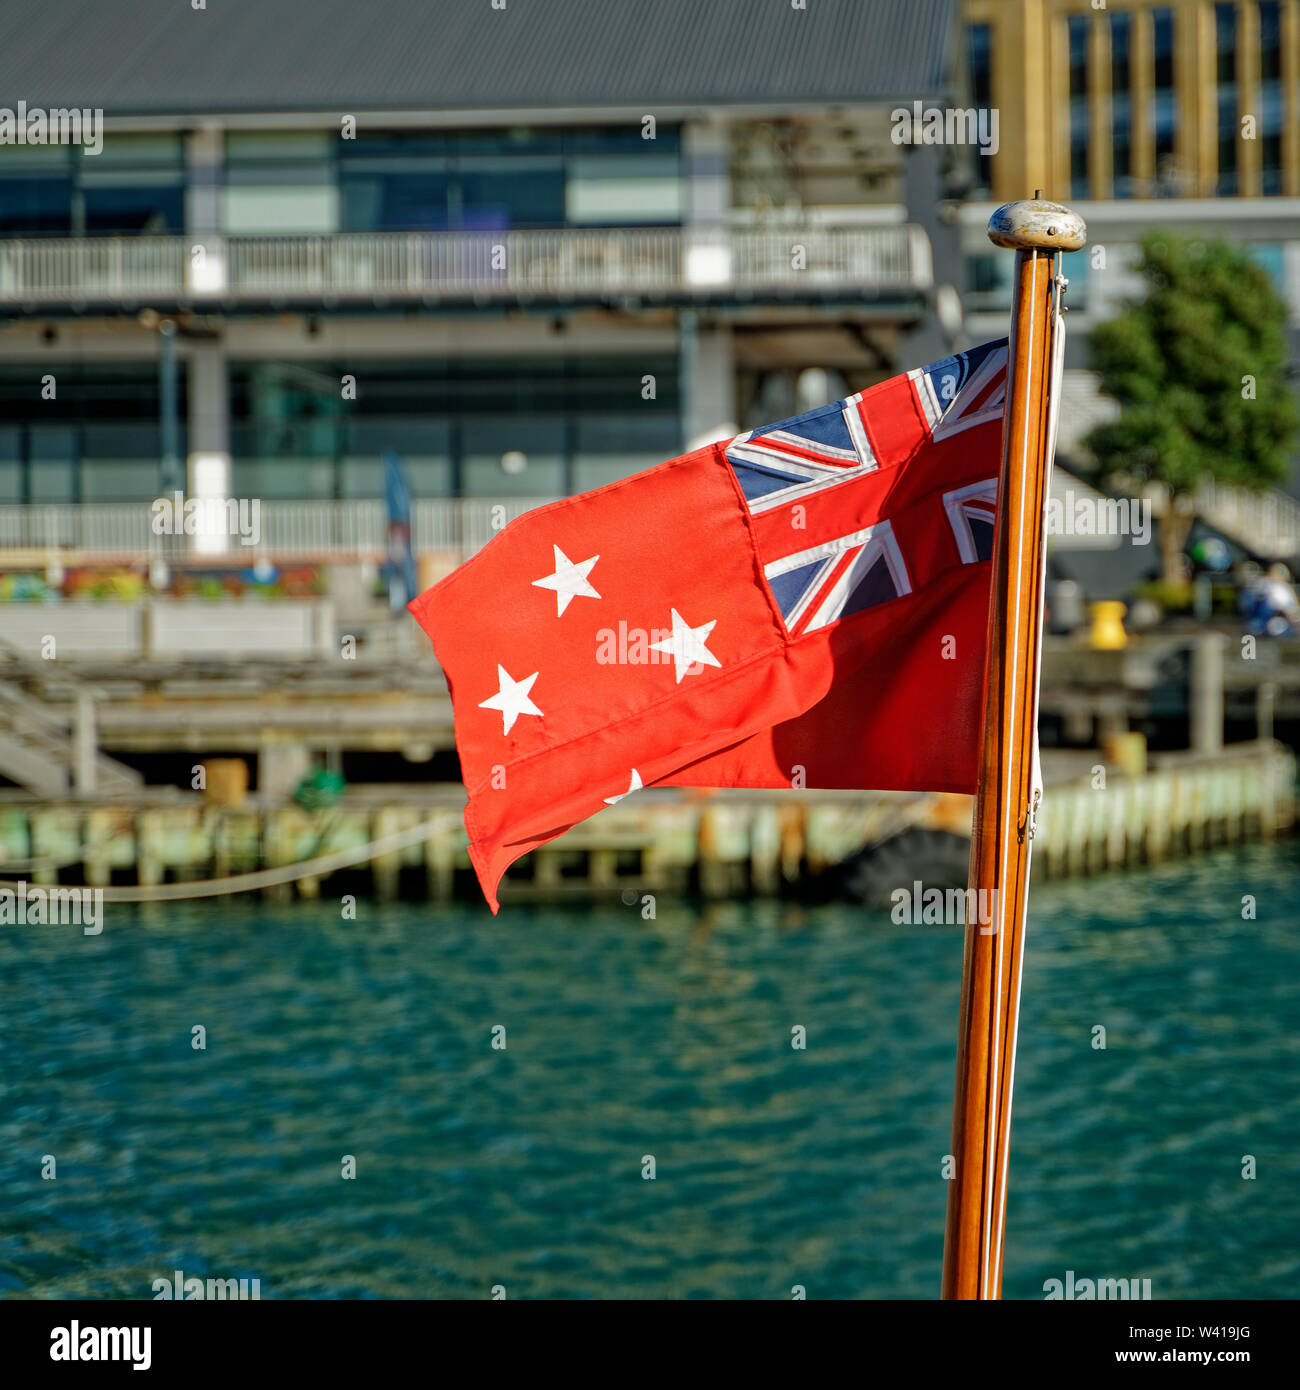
(290, 532)
(794, 263)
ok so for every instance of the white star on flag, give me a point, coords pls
(512, 698)
(633, 786)
(687, 645)
(569, 580)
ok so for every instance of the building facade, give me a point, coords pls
(528, 253)
(1183, 114)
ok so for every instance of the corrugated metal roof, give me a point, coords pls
(163, 57)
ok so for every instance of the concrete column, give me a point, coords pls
(706, 167)
(1141, 60)
(1196, 142)
(168, 374)
(706, 204)
(208, 467)
(1100, 163)
(923, 190)
(205, 255)
(706, 368)
(708, 382)
(85, 745)
(1205, 702)
(1265, 704)
(1248, 151)
(204, 162)
(1023, 93)
(209, 403)
(280, 768)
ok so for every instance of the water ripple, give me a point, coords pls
(627, 1038)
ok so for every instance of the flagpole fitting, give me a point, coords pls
(1036, 225)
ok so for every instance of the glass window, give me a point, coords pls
(35, 190)
(1225, 40)
(492, 192)
(613, 446)
(1270, 98)
(246, 150)
(979, 74)
(577, 421)
(1121, 38)
(280, 182)
(487, 442)
(411, 198)
(612, 190)
(132, 206)
(135, 185)
(474, 180)
(291, 478)
(1078, 31)
(53, 465)
(99, 440)
(524, 177)
(979, 63)
(37, 205)
(1164, 113)
(11, 463)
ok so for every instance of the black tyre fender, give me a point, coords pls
(934, 858)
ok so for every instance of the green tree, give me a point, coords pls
(1197, 366)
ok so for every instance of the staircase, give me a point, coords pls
(47, 751)
(1267, 523)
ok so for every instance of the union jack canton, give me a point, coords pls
(806, 458)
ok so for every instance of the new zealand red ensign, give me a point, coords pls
(804, 605)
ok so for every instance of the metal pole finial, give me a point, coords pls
(1035, 225)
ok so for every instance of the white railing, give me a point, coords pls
(477, 265)
(289, 530)
(293, 529)
(118, 528)
(1266, 522)
(103, 269)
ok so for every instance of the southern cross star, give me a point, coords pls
(686, 645)
(633, 786)
(569, 580)
(512, 698)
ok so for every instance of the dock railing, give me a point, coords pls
(567, 263)
(320, 530)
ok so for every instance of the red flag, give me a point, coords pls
(804, 605)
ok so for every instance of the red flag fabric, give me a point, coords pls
(804, 605)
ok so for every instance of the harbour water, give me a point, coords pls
(774, 1167)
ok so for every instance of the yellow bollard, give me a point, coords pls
(1127, 752)
(1108, 633)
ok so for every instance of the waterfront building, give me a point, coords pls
(528, 252)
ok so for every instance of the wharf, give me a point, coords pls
(409, 839)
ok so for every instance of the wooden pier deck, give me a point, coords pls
(720, 844)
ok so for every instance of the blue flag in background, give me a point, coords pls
(401, 562)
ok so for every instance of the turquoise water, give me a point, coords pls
(626, 1038)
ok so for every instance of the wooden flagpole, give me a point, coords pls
(1006, 795)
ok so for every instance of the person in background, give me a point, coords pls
(1269, 604)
